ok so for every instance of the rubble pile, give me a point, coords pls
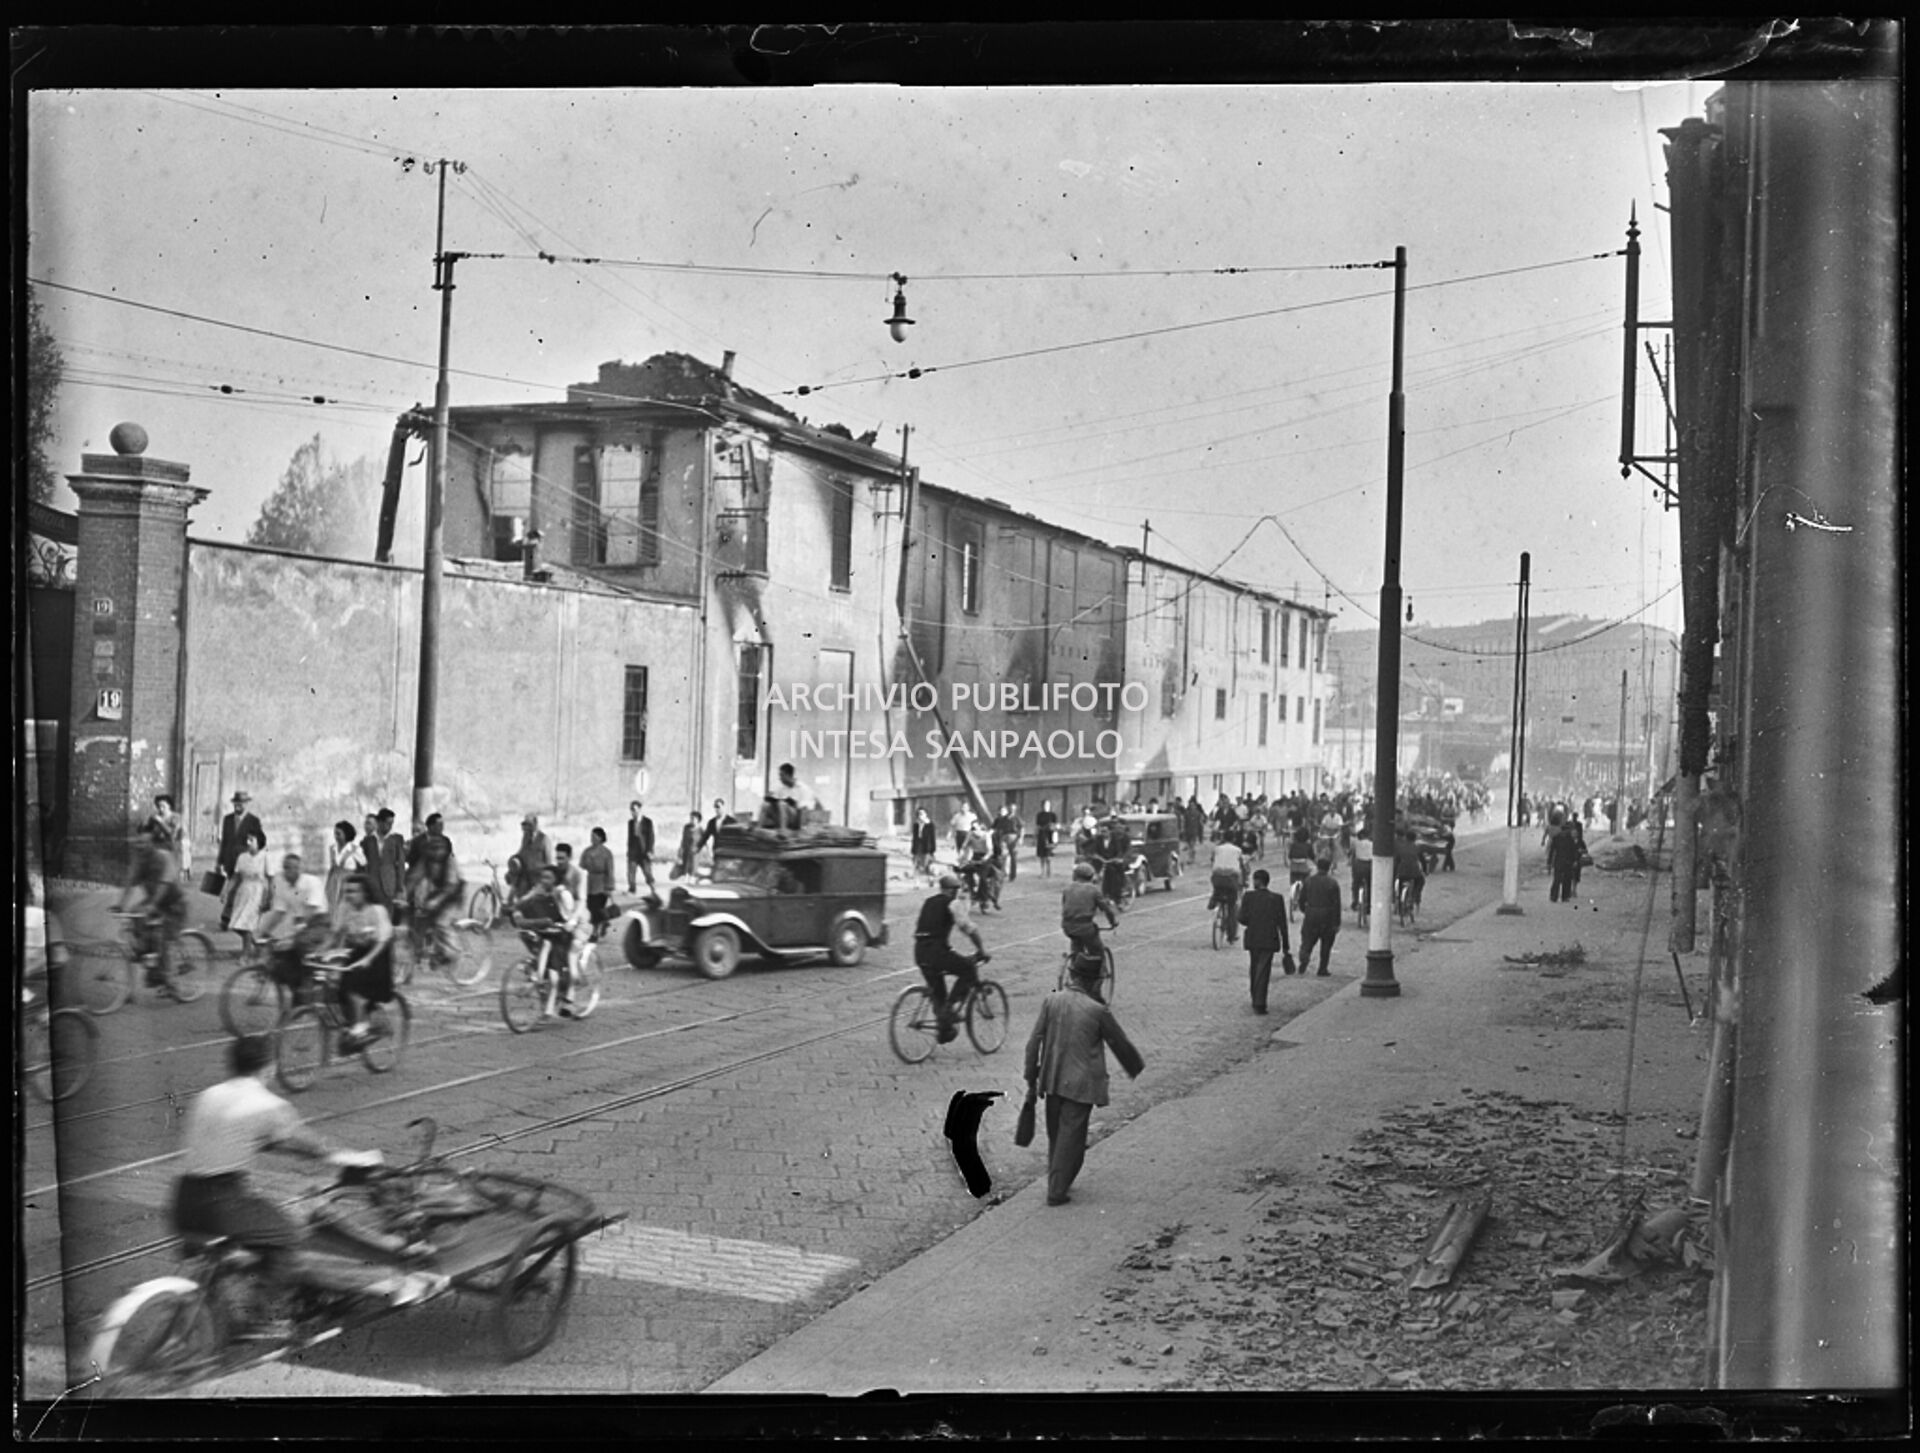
(1447, 1250)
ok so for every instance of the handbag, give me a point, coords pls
(1023, 1126)
(213, 882)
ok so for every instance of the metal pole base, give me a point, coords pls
(1379, 982)
(1512, 910)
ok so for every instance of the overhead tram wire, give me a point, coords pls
(921, 371)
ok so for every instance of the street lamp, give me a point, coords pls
(898, 324)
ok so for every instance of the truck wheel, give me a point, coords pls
(849, 944)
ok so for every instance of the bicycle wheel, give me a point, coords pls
(987, 1016)
(472, 957)
(102, 978)
(484, 907)
(1107, 979)
(1219, 927)
(58, 1053)
(913, 1029)
(251, 1001)
(523, 995)
(191, 964)
(157, 1337)
(300, 1047)
(392, 1024)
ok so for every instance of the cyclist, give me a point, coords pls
(154, 893)
(1299, 866)
(226, 1126)
(978, 868)
(1229, 867)
(560, 919)
(362, 928)
(1409, 876)
(435, 888)
(1078, 905)
(940, 915)
(295, 903)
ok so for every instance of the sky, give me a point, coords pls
(1134, 306)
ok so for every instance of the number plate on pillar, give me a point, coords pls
(111, 703)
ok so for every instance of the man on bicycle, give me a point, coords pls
(153, 892)
(1409, 877)
(940, 915)
(435, 888)
(226, 1126)
(978, 868)
(296, 906)
(1078, 905)
(1228, 872)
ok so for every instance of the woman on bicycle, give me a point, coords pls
(362, 928)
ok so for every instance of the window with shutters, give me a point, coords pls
(840, 567)
(633, 716)
(747, 732)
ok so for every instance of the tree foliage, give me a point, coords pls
(320, 507)
(45, 365)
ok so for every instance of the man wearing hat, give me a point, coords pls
(934, 956)
(235, 830)
(1067, 1063)
(1078, 905)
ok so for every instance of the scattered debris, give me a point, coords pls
(1451, 1240)
(1567, 956)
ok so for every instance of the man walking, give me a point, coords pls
(1263, 913)
(532, 855)
(639, 847)
(1319, 914)
(1067, 1063)
(387, 864)
(1563, 859)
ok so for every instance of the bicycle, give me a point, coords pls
(460, 949)
(1226, 927)
(58, 1048)
(913, 1028)
(1406, 901)
(185, 966)
(488, 899)
(304, 1037)
(1104, 989)
(530, 989)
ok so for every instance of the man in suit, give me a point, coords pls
(1319, 914)
(1067, 1063)
(236, 829)
(640, 841)
(387, 868)
(1263, 914)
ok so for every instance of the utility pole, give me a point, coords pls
(1380, 982)
(426, 714)
(1620, 763)
(1510, 878)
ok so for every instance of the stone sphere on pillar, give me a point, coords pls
(128, 439)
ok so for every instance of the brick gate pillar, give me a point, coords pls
(129, 598)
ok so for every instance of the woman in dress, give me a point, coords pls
(1046, 831)
(345, 856)
(246, 890)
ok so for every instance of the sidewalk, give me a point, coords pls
(1027, 1298)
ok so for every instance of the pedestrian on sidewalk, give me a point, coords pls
(640, 844)
(1067, 1063)
(1263, 913)
(1319, 914)
(1563, 858)
(925, 839)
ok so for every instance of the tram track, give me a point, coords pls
(606, 1106)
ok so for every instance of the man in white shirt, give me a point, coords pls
(296, 902)
(1228, 873)
(226, 1128)
(961, 827)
